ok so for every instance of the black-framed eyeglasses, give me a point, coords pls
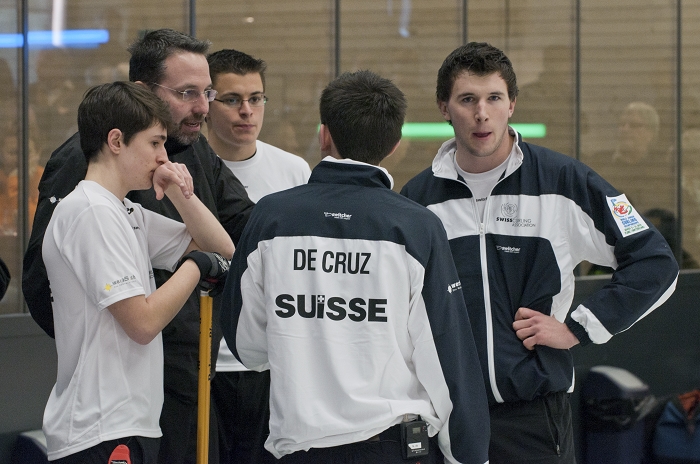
(191, 95)
(255, 101)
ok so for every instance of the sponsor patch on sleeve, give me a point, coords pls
(628, 219)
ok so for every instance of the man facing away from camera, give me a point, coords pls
(349, 292)
(519, 218)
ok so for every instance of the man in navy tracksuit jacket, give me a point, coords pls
(349, 292)
(519, 219)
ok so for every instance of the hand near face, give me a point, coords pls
(535, 328)
(169, 174)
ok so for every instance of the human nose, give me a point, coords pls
(162, 156)
(245, 107)
(201, 104)
(481, 114)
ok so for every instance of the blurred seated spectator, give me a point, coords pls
(9, 182)
(636, 166)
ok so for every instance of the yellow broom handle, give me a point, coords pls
(204, 384)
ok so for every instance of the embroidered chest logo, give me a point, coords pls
(508, 249)
(344, 216)
(509, 210)
(454, 287)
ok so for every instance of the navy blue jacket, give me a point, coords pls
(546, 214)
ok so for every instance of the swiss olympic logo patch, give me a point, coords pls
(509, 209)
(628, 220)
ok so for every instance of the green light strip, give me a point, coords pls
(441, 130)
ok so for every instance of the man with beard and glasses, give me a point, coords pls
(174, 66)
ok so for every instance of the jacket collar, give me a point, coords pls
(444, 162)
(347, 171)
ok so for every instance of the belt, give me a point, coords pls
(393, 433)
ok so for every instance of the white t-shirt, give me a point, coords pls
(482, 184)
(98, 251)
(270, 170)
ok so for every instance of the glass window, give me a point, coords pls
(295, 39)
(405, 41)
(627, 109)
(690, 134)
(10, 151)
(71, 47)
(628, 102)
(538, 37)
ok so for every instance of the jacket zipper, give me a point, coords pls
(487, 300)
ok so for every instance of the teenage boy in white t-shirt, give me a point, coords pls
(99, 250)
(241, 396)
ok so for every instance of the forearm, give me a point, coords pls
(142, 318)
(202, 225)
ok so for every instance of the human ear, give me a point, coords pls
(324, 138)
(444, 110)
(115, 140)
(393, 149)
(511, 107)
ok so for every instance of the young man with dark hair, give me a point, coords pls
(348, 291)
(520, 218)
(235, 119)
(99, 248)
(178, 63)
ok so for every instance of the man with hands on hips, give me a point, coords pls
(520, 218)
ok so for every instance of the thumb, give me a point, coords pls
(159, 191)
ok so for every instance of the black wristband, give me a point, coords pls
(204, 261)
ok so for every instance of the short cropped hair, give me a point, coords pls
(148, 54)
(364, 114)
(233, 61)
(126, 106)
(647, 112)
(478, 58)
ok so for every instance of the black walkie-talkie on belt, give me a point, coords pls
(414, 439)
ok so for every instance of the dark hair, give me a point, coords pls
(126, 106)
(148, 54)
(477, 58)
(233, 61)
(364, 114)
